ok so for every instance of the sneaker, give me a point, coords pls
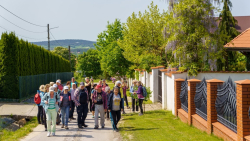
(102, 126)
(140, 114)
(99, 117)
(96, 127)
(53, 134)
(66, 127)
(128, 107)
(48, 134)
(84, 125)
(45, 129)
(62, 126)
(73, 118)
(93, 116)
(116, 130)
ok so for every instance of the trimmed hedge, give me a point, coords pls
(21, 58)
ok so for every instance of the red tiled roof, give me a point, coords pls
(241, 42)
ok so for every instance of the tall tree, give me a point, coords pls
(89, 63)
(195, 44)
(110, 53)
(227, 33)
(143, 41)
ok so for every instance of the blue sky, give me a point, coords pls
(79, 19)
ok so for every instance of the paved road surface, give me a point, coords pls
(75, 134)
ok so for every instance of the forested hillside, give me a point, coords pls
(77, 46)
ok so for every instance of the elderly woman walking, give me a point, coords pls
(132, 90)
(115, 107)
(65, 105)
(40, 106)
(72, 91)
(119, 84)
(51, 108)
(140, 96)
(46, 91)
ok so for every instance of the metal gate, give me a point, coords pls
(159, 87)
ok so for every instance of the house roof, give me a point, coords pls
(243, 23)
(240, 43)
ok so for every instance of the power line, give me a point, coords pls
(21, 18)
(55, 39)
(21, 27)
(22, 35)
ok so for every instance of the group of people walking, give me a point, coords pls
(87, 97)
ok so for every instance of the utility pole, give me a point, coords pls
(48, 38)
(69, 57)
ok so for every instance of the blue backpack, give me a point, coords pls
(144, 92)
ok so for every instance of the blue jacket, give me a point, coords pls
(46, 97)
(41, 96)
(110, 102)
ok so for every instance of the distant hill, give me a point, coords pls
(77, 46)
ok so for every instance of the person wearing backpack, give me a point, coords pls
(51, 108)
(81, 102)
(65, 105)
(140, 96)
(37, 100)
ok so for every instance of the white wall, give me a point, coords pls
(147, 79)
(223, 76)
(143, 78)
(164, 91)
(155, 85)
(151, 86)
(171, 90)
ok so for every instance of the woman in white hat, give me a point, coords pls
(51, 108)
(65, 105)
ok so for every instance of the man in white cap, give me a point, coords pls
(72, 91)
(81, 102)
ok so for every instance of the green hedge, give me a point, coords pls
(21, 58)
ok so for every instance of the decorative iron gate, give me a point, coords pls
(226, 105)
(159, 86)
(184, 95)
(200, 99)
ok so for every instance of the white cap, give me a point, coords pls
(51, 89)
(73, 84)
(55, 85)
(65, 87)
(58, 81)
(118, 82)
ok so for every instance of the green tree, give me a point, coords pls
(227, 33)
(64, 52)
(189, 26)
(143, 42)
(110, 53)
(89, 63)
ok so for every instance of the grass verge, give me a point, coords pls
(18, 134)
(160, 126)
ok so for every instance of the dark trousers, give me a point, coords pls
(44, 118)
(71, 112)
(134, 105)
(126, 100)
(116, 115)
(40, 115)
(82, 112)
(107, 114)
(140, 105)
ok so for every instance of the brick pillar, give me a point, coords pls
(211, 97)
(177, 100)
(243, 102)
(191, 93)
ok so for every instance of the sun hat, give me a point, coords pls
(58, 81)
(51, 89)
(55, 85)
(118, 82)
(65, 87)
